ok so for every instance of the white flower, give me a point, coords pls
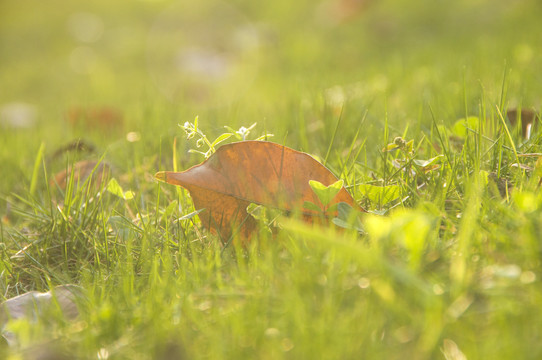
(243, 132)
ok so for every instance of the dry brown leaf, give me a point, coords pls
(75, 146)
(81, 171)
(95, 118)
(247, 172)
(33, 304)
(528, 118)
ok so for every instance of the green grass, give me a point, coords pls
(450, 257)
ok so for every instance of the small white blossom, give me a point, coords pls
(243, 132)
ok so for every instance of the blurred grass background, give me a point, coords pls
(160, 63)
(122, 75)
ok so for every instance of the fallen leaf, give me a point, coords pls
(246, 172)
(32, 304)
(528, 118)
(100, 118)
(81, 170)
(75, 146)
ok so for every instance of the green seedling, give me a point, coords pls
(348, 218)
(114, 188)
(192, 130)
(325, 194)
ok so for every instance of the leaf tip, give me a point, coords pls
(161, 176)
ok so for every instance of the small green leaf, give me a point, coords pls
(221, 138)
(267, 216)
(344, 211)
(400, 143)
(461, 126)
(410, 146)
(326, 193)
(380, 194)
(264, 137)
(346, 225)
(128, 195)
(252, 207)
(256, 211)
(205, 154)
(390, 147)
(114, 188)
(426, 163)
(312, 206)
(348, 218)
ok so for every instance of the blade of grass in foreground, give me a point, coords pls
(35, 172)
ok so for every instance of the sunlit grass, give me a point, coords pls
(406, 106)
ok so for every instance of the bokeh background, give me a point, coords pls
(101, 70)
(456, 271)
